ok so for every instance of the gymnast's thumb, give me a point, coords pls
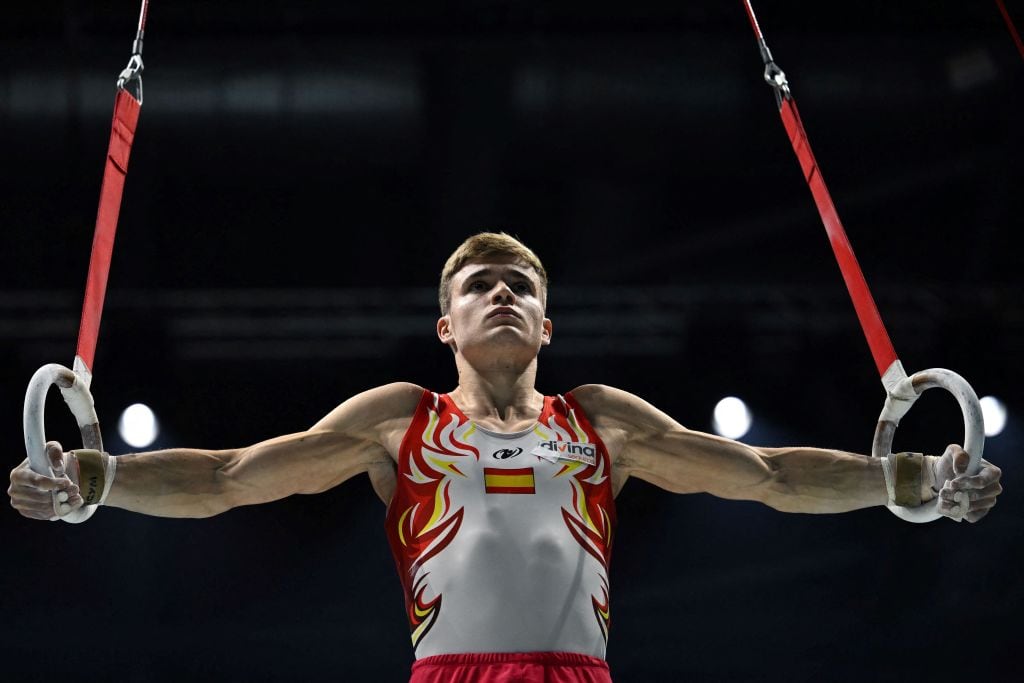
(961, 461)
(55, 455)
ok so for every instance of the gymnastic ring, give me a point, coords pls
(75, 391)
(902, 395)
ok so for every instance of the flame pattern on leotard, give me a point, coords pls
(428, 523)
(591, 519)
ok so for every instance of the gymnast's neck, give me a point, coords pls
(499, 391)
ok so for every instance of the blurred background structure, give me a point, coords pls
(302, 170)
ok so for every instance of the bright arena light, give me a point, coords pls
(994, 412)
(138, 425)
(731, 418)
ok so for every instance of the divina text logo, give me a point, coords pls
(567, 450)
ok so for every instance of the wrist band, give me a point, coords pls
(111, 463)
(95, 475)
(889, 488)
(908, 477)
(903, 480)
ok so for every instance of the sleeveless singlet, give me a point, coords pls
(503, 541)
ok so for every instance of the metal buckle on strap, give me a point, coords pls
(132, 74)
(776, 77)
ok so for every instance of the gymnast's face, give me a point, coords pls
(496, 304)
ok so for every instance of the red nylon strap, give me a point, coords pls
(753, 20)
(122, 132)
(1009, 25)
(870, 321)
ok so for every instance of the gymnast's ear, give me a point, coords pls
(445, 332)
(546, 332)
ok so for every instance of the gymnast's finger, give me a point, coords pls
(989, 474)
(23, 477)
(976, 515)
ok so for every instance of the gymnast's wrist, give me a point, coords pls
(95, 474)
(909, 479)
(930, 483)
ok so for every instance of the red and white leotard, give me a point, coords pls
(503, 541)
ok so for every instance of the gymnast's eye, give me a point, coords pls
(522, 288)
(478, 286)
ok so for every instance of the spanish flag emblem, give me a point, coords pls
(509, 481)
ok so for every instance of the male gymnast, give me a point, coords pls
(499, 496)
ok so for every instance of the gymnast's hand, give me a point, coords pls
(962, 495)
(31, 493)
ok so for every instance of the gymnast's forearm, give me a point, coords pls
(201, 483)
(177, 482)
(815, 480)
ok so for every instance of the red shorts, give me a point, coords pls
(511, 667)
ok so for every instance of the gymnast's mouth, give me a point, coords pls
(503, 312)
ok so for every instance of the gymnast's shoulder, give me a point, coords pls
(608, 407)
(378, 409)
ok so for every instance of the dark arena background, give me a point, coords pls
(302, 170)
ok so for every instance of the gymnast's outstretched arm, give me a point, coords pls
(360, 435)
(648, 444)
